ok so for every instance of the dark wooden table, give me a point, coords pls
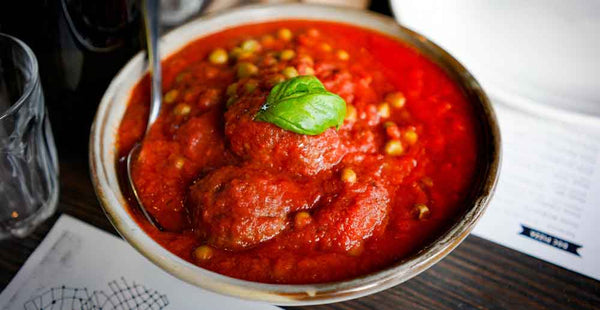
(478, 274)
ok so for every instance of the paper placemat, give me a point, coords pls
(78, 266)
(547, 203)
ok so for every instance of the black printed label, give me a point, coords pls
(550, 240)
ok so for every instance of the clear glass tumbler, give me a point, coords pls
(28, 161)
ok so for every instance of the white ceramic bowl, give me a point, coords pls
(103, 160)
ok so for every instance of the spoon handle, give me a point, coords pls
(151, 15)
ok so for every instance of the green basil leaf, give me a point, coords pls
(304, 106)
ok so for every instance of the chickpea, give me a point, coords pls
(289, 72)
(284, 34)
(342, 55)
(389, 124)
(348, 176)
(231, 89)
(422, 211)
(218, 56)
(250, 46)
(231, 101)
(246, 69)
(182, 109)
(326, 47)
(275, 79)
(183, 77)
(411, 137)
(309, 71)
(235, 52)
(240, 54)
(351, 113)
(203, 252)
(394, 148)
(396, 99)
(251, 85)
(383, 109)
(287, 54)
(302, 219)
(179, 162)
(305, 59)
(171, 96)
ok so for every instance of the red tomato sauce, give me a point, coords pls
(253, 201)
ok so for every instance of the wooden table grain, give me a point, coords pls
(478, 274)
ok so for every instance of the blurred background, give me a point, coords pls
(81, 44)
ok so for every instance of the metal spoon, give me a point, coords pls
(150, 12)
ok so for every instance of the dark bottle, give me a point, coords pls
(81, 45)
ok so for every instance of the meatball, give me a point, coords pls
(273, 147)
(164, 166)
(159, 184)
(357, 213)
(238, 207)
(201, 138)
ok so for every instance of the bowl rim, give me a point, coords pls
(287, 294)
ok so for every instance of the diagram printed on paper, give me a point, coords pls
(121, 296)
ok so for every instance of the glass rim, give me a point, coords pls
(29, 85)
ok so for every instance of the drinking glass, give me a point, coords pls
(28, 162)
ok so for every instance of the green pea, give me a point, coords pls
(251, 85)
(231, 89)
(231, 101)
(218, 56)
(289, 72)
(250, 45)
(171, 96)
(275, 79)
(284, 34)
(246, 69)
(287, 54)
